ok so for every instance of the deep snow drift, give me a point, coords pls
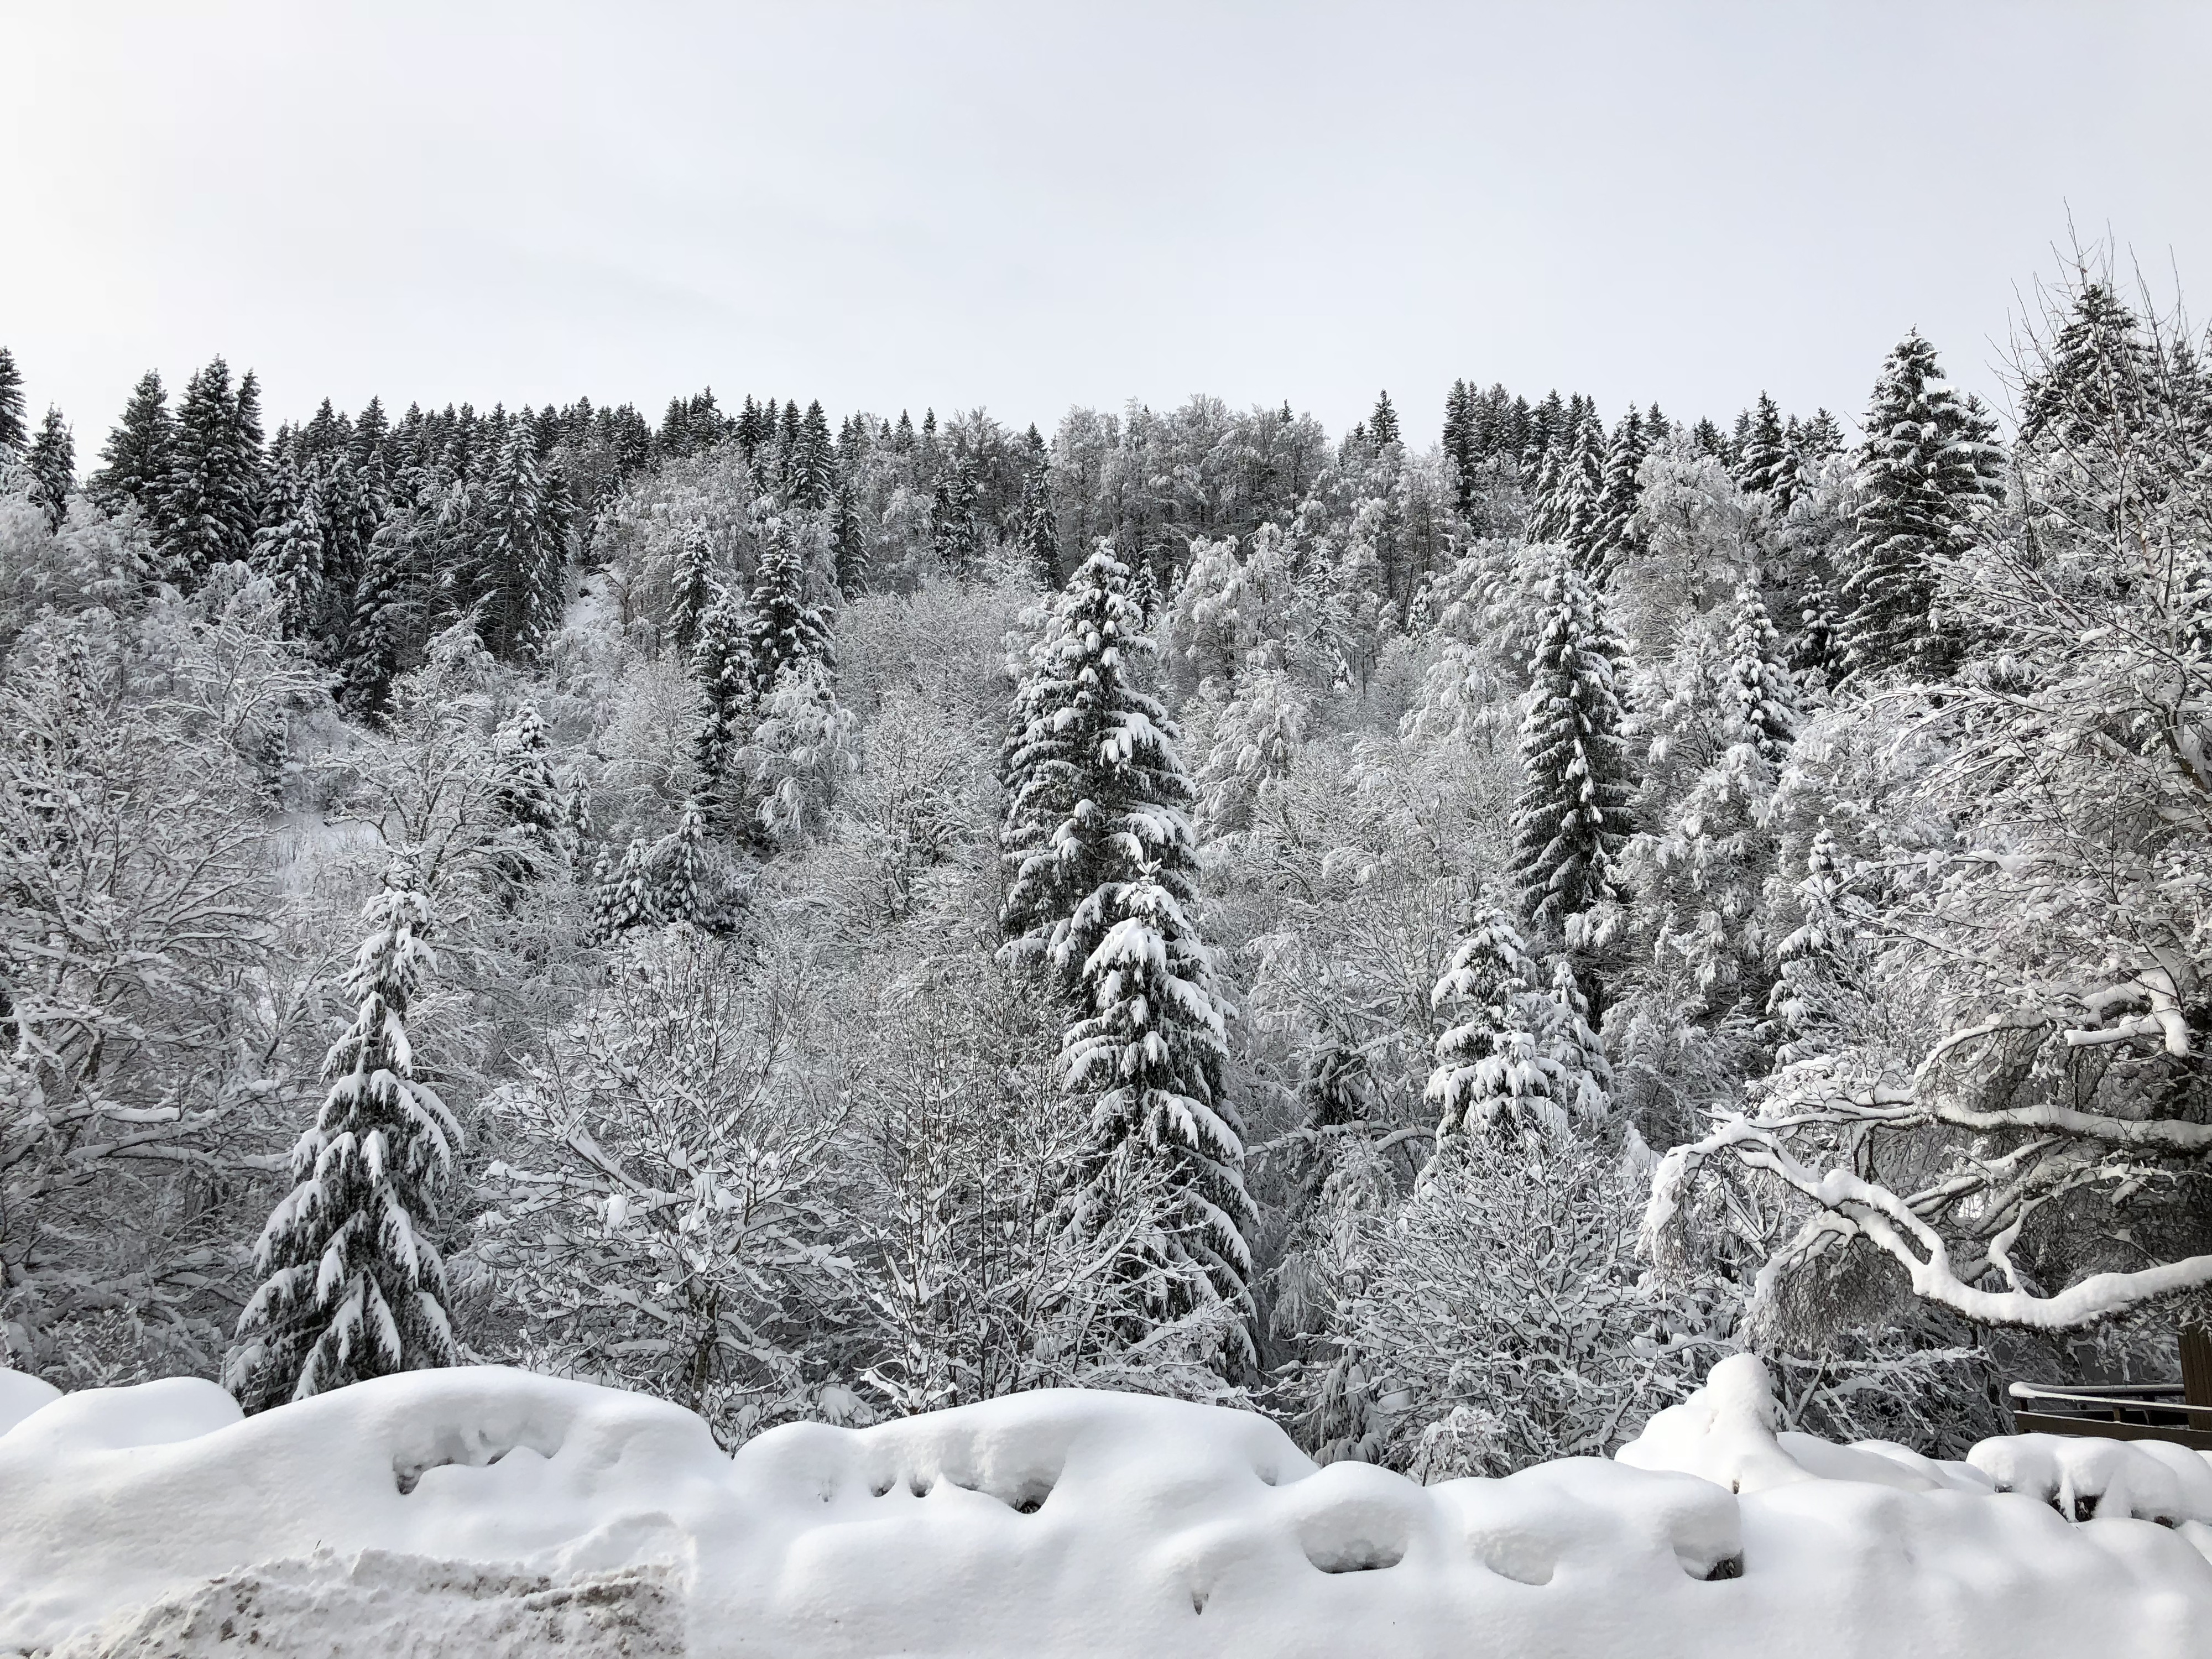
(489, 1512)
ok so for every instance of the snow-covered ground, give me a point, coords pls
(491, 1512)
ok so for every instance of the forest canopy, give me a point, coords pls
(827, 919)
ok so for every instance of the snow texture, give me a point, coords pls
(487, 1511)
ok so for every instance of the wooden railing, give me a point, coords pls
(2179, 1411)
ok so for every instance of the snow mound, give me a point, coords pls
(400, 1606)
(484, 1512)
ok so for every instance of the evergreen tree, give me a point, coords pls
(1147, 1060)
(351, 1286)
(813, 462)
(1765, 465)
(1758, 681)
(136, 464)
(1462, 424)
(1572, 814)
(784, 633)
(1102, 873)
(522, 558)
(624, 900)
(1383, 424)
(1614, 539)
(1815, 648)
(387, 613)
(848, 546)
(210, 508)
(678, 872)
(53, 468)
(1094, 792)
(1924, 472)
(695, 585)
(723, 666)
(1039, 532)
(14, 432)
(526, 798)
(1517, 1058)
(288, 547)
(955, 529)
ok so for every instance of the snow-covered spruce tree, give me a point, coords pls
(288, 547)
(1519, 1056)
(1572, 816)
(1765, 467)
(135, 461)
(52, 465)
(722, 667)
(523, 549)
(211, 504)
(14, 432)
(1148, 1061)
(527, 799)
(1760, 681)
(352, 1287)
(624, 895)
(784, 631)
(1094, 789)
(1923, 478)
(694, 587)
(677, 873)
(1101, 871)
(813, 463)
(1037, 531)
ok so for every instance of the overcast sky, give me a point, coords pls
(1024, 206)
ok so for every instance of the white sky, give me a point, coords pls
(1025, 206)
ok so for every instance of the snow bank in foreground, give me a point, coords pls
(489, 1512)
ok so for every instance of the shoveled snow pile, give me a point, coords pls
(491, 1512)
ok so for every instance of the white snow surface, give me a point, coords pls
(488, 1512)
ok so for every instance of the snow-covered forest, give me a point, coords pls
(820, 915)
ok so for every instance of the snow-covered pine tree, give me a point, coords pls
(387, 612)
(785, 633)
(1816, 646)
(522, 556)
(1766, 466)
(813, 463)
(351, 1287)
(1102, 868)
(721, 663)
(1615, 537)
(209, 511)
(1094, 789)
(52, 464)
(288, 549)
(694, 587)
(677, 873)
(848, 545)
(135, 463)
(624, 899)
(1148, 1060)
(15, 431)
(1519, 1057)
(1922, 476)
(955, 527)
(527, 798)
(1383, 424)
(1572, 813)
(1766, 699)
(1039, 528)
(1579, 514)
